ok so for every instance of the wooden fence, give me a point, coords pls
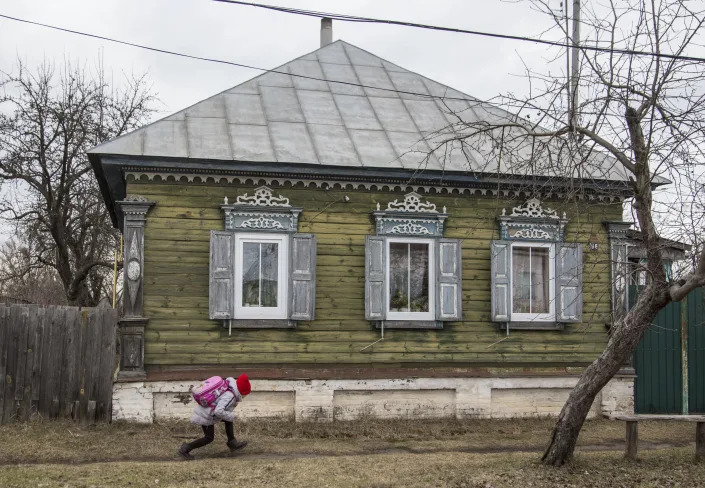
(56, 362)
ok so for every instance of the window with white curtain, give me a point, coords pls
(533, 281)
(410, 289)
(261, 276)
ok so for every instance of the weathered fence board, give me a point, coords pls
(56, 362)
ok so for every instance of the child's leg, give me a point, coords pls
(229, 430)
(208, 436)
(233, 444)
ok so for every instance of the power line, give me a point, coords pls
(354, 18)
(231, 63)
(241, 65)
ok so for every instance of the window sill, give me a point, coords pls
(409, 324)
(531, 326)
(259, 324)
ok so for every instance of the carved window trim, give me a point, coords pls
(532, 222)
(260, 212)
(533, 225)
(412, 219)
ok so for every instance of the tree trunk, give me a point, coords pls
(625, 336)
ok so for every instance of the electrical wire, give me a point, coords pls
(242, 65)
(354, 18)
(231, 63)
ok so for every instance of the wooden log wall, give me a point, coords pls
(56, 362)
(176, 285)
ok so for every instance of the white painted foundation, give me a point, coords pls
(325, 400)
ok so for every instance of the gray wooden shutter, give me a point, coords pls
(221, 286)
(375, 278)
(569, 283)
(449, 288)
(501, 281)
(302, 284)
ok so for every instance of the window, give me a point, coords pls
(412, 274)
(409, 271)
(262, 271)
(533, 282)
(260, 276)
(536, 276)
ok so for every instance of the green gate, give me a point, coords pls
(696, 351)
(673, 344)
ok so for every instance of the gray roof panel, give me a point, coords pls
(426, 115)
(292, 142)
(281, 104)
(280, 118)
(333, 145)
(205, 136)
(308, 69)
(342, 73)
(375, 149)
(166, 138)
(393, 115)
(357, 112)
(251, 143)
(244, 109)
(319, 108)
(373, 76)
(213, 107)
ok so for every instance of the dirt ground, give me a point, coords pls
(366, 453)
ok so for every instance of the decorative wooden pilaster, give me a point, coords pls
(133, 322)
(619, 269)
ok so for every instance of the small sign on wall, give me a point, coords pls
(593, 246)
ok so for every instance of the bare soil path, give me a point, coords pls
(381, 454)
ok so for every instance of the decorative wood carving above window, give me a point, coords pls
(261, 212)
(410, 217)
(536, 275)
(532, 222)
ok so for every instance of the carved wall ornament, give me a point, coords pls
(410, 217)
(409, 228)
(135, 198)
(263, 197)
(351, 185)
(532, 222)
(412, 203)
(532, 233)
(532, 208)
(261, 223)
(134, 270)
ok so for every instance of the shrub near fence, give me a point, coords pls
(56, 362)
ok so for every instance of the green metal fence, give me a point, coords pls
(696, 351)
(674, 345)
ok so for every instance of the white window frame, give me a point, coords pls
(535, 317)
(431, 314)
(281, 310)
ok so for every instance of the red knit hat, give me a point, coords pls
(243, 384)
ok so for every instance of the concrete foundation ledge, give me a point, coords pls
(418, 398)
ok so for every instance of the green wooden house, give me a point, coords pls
(306, 228)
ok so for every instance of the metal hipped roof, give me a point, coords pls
(280, 118)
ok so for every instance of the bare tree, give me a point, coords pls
(23, 280)
(639, 117)
(48, 119)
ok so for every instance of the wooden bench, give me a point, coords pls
(633, 431)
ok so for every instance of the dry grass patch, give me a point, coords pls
(63, 442)
(670, 468)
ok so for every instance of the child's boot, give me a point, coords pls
(234, 445)
(184, 452)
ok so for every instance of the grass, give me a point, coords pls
(476, 453)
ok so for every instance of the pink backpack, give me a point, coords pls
(210, 390)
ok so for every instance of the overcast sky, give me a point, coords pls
(478, 66)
